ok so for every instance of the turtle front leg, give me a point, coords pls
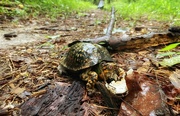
(91, 78)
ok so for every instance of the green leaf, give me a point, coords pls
(170, 61)
(164, 54)
(169, 47)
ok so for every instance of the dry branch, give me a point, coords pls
(111, 24)
(108, 32)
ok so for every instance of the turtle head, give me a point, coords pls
(110, 71)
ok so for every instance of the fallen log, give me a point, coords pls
(143, 41)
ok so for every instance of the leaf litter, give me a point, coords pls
(28, 70)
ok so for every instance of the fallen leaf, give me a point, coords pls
(144, 97)
(24, 94)
(175, 79)
(170, 61)
(9, 106)
(145, 67)
(91, 109)
(164, 54)
(18, 90)
(19, 59)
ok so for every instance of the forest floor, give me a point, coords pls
(30, 58)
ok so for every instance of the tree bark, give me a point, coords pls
(63, 99)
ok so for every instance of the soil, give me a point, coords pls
(75, 27)
(89, 25)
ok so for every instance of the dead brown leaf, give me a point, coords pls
(143, 101)
(18, 90)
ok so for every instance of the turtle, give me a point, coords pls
(92, 62)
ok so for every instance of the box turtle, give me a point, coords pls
(93, 63)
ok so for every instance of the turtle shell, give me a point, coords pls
(83, 55)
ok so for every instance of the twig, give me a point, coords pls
(105, 107)
(111, 24)
(108, 34)
(42, 86)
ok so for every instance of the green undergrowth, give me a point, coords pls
(162, 10)
(48, 8)
(59, 7)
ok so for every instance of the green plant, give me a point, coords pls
(164, 10)
(169, 57)
(11, 8)
(49, 8)
(56, 7)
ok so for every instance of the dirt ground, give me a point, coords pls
(75, 27)
(30, 59)
(86, 25)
